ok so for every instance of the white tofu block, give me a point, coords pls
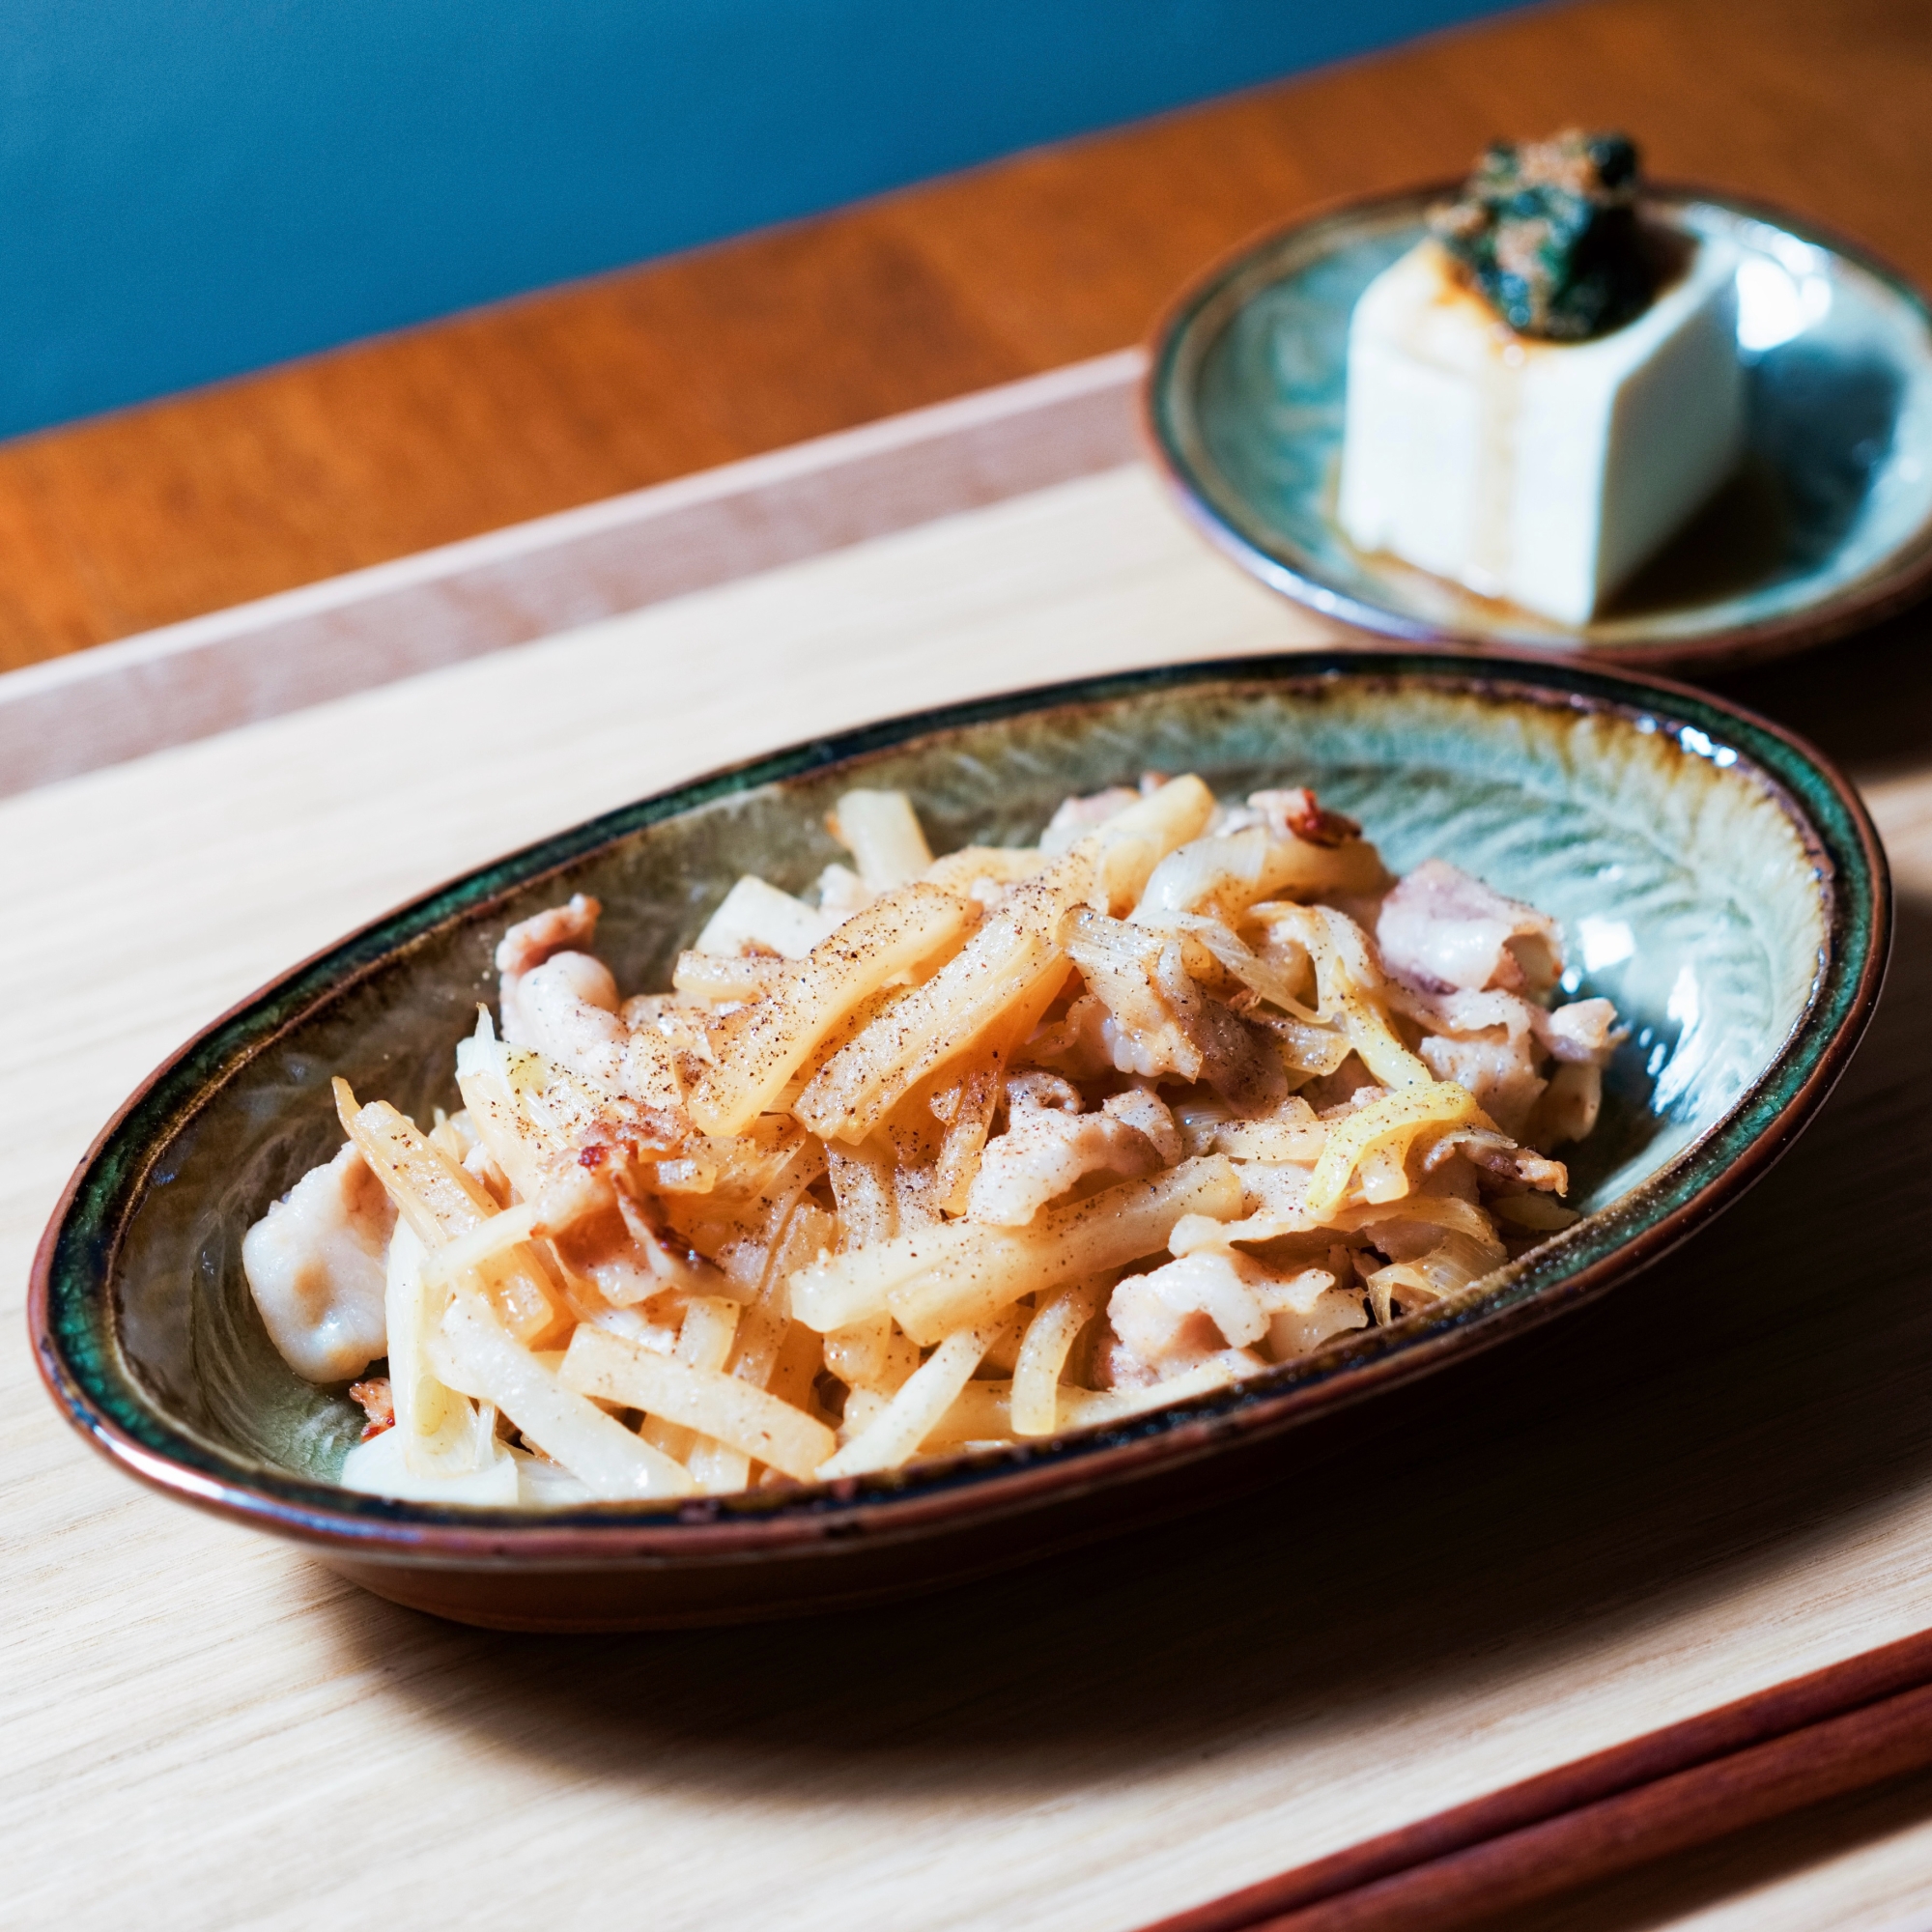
(1542, 472)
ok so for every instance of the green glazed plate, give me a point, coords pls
(1713, 876)
(1827, 526)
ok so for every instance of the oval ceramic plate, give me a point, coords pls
(1827, 525)
(1712, 875)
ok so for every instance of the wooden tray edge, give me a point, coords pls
(166, 687)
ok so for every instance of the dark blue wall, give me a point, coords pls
(193, 188)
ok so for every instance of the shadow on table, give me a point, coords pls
(1751, 1395)
(1757, 1400)
(1866, 700)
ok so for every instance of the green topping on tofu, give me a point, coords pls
(1548, 235)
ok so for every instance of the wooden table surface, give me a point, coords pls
(1715, 1479)
(380, 450)
(1723, 1476)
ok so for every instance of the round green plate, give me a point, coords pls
(1827, 526)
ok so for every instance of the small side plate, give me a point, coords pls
(1827, 526)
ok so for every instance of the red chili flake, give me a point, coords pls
(1310, 822)
(377, 1405)
(591, 1156)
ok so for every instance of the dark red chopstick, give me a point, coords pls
(1840, 1729)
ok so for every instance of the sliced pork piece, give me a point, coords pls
(1078, 816)
(1442, 929)
(561, 1002)
(533, 941)
(1050, 1147)
(528, 949)
(1078, 1044)
(1143, 1108)
(1188, 1312)
(1585, 1031)
(1496, 1067)
(568, 1010)
(1496, 1153)
(1160, 1022)
(1220, 1304)
(315, 1264)
(1499, 1046)
(1462, 1014)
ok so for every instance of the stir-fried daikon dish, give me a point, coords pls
(972, 1151)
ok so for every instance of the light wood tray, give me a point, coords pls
(1718, 1479)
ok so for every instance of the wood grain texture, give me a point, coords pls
(421, 439)
(75, 713)
(1716, 1478)
(1856, 1724)
(1583, 1848)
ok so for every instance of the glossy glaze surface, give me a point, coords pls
(1713, 878)
(1829, 519)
